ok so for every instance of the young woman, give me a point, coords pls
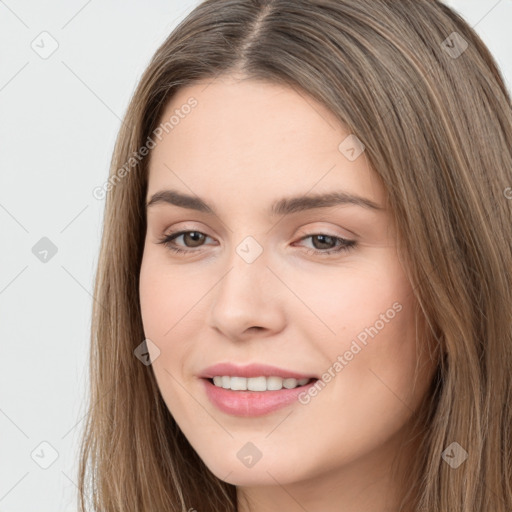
(304, 297)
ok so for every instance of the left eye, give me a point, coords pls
(343, 243)
(196, 237)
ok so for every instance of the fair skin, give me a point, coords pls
(245, 145)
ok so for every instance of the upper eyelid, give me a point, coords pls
(346, 233)
(302, 229)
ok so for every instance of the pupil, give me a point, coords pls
(197, 235)
(322, 237)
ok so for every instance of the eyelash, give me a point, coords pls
(345, 245)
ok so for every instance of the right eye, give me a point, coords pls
(195, 237)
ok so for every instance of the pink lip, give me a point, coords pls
(251, 370)
(252, 403)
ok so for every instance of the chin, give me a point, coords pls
(261, 474)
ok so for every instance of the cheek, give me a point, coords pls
(163, 297)
(373, 362)
(355, 301)
(162, 306)
(170, 308)
(368, 340)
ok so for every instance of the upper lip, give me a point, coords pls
(251, 370)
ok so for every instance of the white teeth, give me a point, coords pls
(274, 383)
(238, 383)
(257, 383)
(290, 383)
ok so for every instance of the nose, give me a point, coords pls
(248, 300)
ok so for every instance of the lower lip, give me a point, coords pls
(252, 403)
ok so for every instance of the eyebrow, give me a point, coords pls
(284, 206)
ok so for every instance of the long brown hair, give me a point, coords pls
(414, 82)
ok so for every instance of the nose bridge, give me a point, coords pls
(247, 264)
(245, 296)
(250, 250)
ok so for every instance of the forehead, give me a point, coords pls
(244, 139)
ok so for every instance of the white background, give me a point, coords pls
(59, 119)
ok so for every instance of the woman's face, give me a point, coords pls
(256, 284)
